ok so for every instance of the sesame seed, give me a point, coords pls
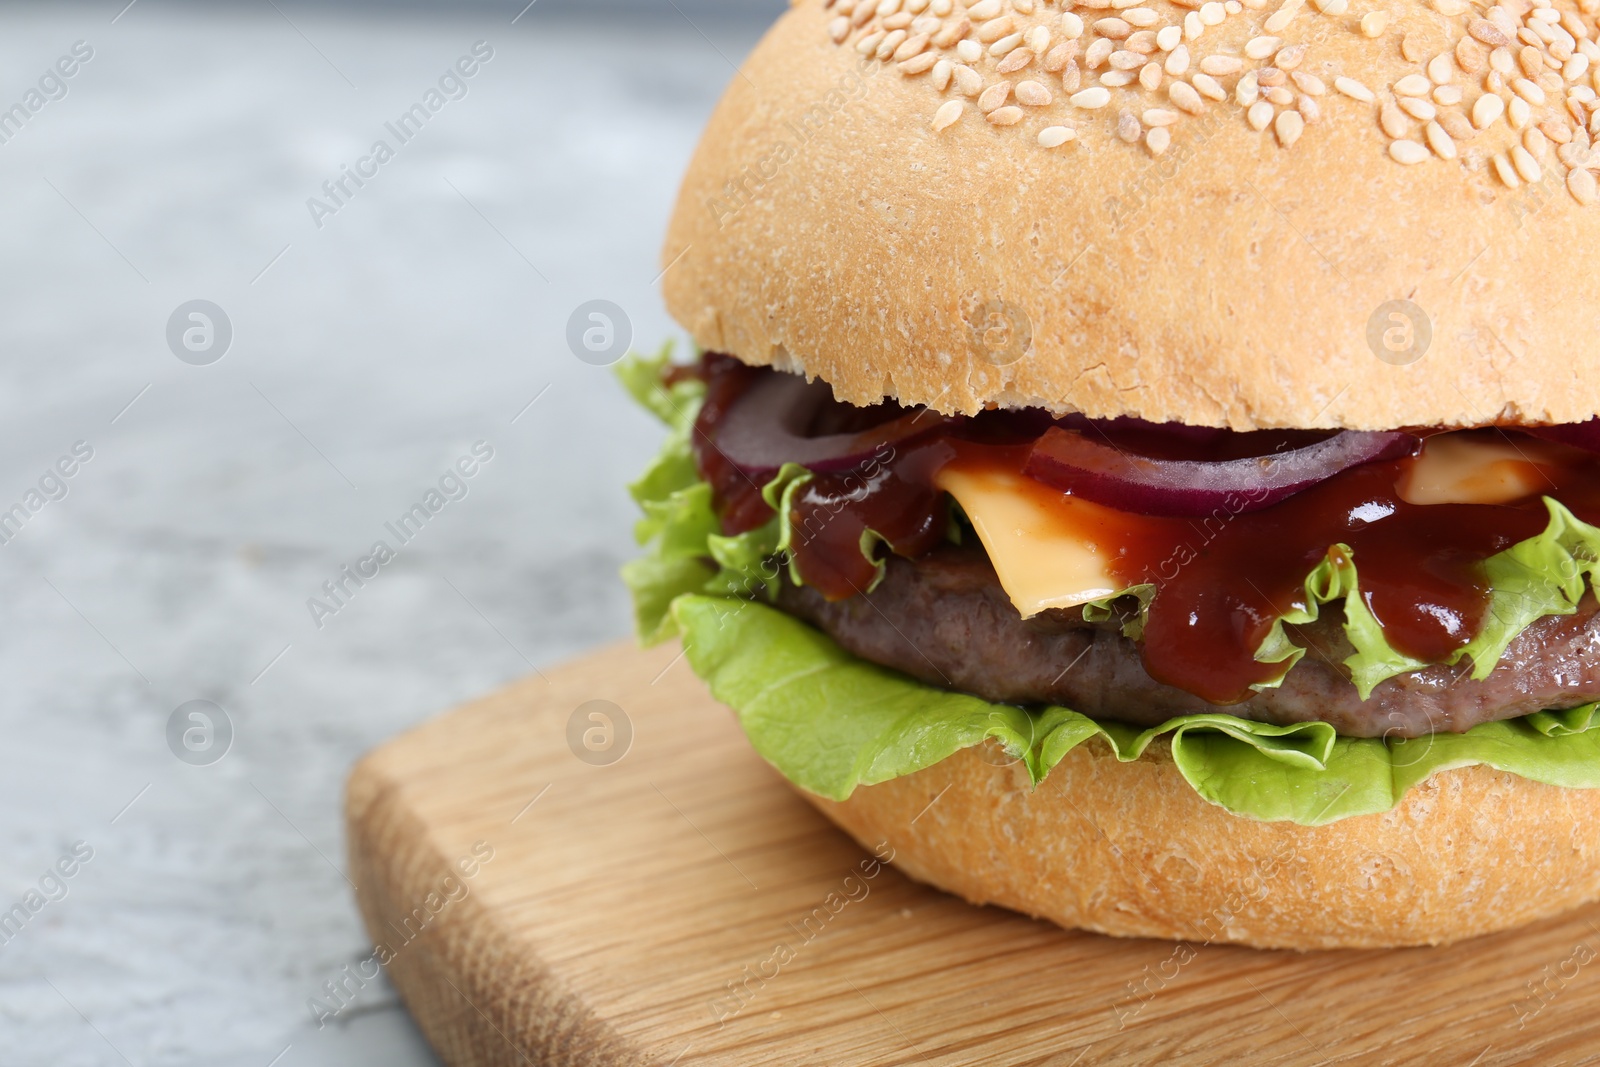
(1526, 165)
(1506, 172)
(1140, 16)
(1259, 115)
(1039, 39)
(913, 46)
(1116, 79)
(919, 64)
(1006, 45)
(1126, 60)
(941, 74)
(1071, 26)
(1150, 76)
(897, 22)
(1090, 99)
(1015, 61)
(1457, 126)
(968, 81)
(1114, 28)
(994, 96)
(1270, 76)
(1485, 31)
(1556, 131)
(1279, 95)
(1159, 116)
(941, 7)
(984, 10)
(887, 7)
(1373, 23)
(969, 51)
(1192, 26)
(1534, 140)
(1417, 108)
(1212, 13)
(1289, 126)
(1441, 70)
(927, 25)
(1232, 7)
(1469, 55)
(1208, 87)
(1071, 76)
(1412, 85)
(948, 114)
(1167, 37)
(1575, 68)
(1058, 56)
(995, 29)
(1393, 120)
(1439, 141)
(1185, 97)
(1450, 8)
(1247, 90)
(1056, 136)
(1354, 89)
(1261, 47)
(1411, 47)
(1098, 53)
(1128, 128)
(1335, 7)
(869, 44)
(1500, 60)
(1221, 66)
(1531, 60)
(1518, 113)
(1178, 60)
(1581, 184)
(1281, 18)
(1032, 94)
(1447, 95)
(1408, 152)
(1023, 6)
(952, 34)
(1486, 110)
(1005, 116)
(1309, 109)
(916, 6)
(1528, 91)
(1158, 140)
(1289, 58)
(839, 29)
(1309, 83)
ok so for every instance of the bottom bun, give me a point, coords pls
(1131, 849)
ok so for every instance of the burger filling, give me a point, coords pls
(1405, 584)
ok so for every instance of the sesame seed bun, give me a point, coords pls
(1131, 849)
(944, 203)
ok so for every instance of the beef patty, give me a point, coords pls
(945, 620)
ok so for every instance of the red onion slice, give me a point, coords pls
(767, 425)
(1584, 435)
(1111, 476)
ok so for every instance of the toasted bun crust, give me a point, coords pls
(1238, 278)
(1131, 849)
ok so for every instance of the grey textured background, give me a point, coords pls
(424, 316)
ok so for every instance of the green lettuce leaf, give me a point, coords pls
(830, 722)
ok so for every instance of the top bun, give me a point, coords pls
(1356, 215)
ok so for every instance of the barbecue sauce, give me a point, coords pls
(1221, 580)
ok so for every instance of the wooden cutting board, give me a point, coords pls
(663, 908)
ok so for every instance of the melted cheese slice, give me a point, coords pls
(1049, 550)
(1474, 469)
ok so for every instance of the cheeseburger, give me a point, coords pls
(1142, 461)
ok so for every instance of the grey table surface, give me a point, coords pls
(367, 355)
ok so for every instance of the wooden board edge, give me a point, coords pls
(525, 1018)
